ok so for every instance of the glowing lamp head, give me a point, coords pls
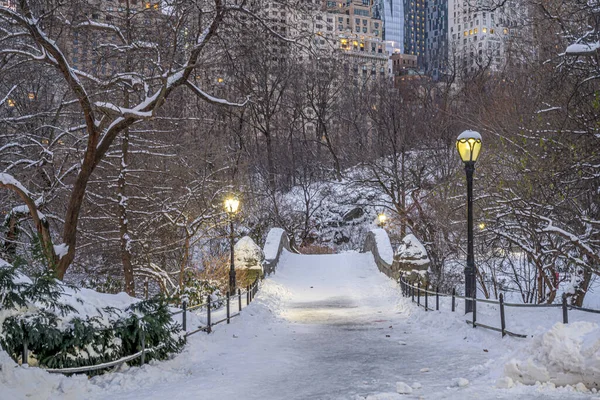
(231, 205)
(468, 145)
(382, 218)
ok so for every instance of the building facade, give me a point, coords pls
(479, 39)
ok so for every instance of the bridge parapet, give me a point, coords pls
(378, 243)
(277, 240)
(410, 259)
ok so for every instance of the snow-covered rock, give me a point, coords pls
(567, 354)
(411, 251)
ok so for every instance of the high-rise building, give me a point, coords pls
(478, 39)
(436, 29)
(414, 29)
(392, 14)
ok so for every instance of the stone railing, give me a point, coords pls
(277, 240)
(378, 243)
(409, 260)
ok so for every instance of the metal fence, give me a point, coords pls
(231, 303)
(422, 297)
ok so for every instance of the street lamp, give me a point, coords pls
(468, 145)
(381, 218)
(231, 207)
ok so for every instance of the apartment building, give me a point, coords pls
(478, 37)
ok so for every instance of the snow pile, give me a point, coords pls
(248, 255)
(565, 355)
(272, 243)
(384, 246)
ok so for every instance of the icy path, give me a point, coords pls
(323, 327)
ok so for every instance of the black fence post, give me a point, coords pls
(474, 312)
(437, 298)
(453, 299)
(184, 318)
(412, 292)
(25, 353)
(247, 294)
(426, 303)
(565, 310)
(419, 293)
(228, 313)
(240, 299)
(502, 317)
(208, 325)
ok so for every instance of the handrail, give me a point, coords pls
(88, 368)
(409, 290)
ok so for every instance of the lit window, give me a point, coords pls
(10, 102)
(466, 33)
(484, 30)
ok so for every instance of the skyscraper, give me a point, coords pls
(392, 13)
(414, 29)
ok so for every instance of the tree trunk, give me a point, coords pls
(125, 238)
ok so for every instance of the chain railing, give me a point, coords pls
(211, 311)
(421, 296)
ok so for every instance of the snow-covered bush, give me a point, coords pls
(248, 255)
(41, 312)
(195, 290)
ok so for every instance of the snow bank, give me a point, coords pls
(384, 246)
(567, 354)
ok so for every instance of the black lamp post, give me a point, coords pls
(231, 206)
(468, 145)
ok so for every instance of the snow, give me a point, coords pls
(6, 179)
(248, 255)
(330, 327)
(271, 247)
(412, 250)
(468, 134)
(61, 250)
(384, 246)
(565, 355)
(461, 382)
(403, 388)
(582, 48)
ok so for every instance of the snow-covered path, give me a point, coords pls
(322, 327)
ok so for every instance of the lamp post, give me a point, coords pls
(468, 145)
(381, 220)
(231, 206)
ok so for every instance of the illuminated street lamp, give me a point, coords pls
(468, 145)
(381, 219)
(231, 207)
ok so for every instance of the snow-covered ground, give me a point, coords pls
(323, 327)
